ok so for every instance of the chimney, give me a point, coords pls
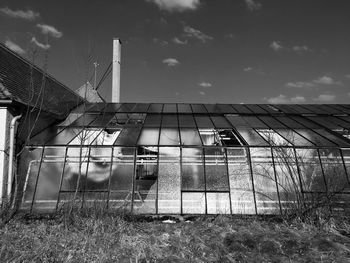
(116, 71)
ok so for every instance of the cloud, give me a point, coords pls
(276, 46)
(247, 69)
(252, 5)
(280, 99)
(50, 30)
(283, 99)
(298, 99)
(27, 15)
(191, 32)
(347, 76)
(160, 42)
(205, 84)
(325, 98)
(177, 41)
(300, 84)
(326, 80)
(301, 49)
(40, 45)
(202, 93)
(176, 5)
(14, 47)
(171, 62)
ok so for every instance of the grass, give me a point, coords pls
(115, 238)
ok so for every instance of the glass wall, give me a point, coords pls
(190, 159)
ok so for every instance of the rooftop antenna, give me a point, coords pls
(116, 70)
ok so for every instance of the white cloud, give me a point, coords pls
(325, 98)
(40, 45)
(27, 15)
(283, 99)
(252, 5)
(276, 46)
(247, 69)
(178, 41)
(326, 80)
(205, 84)
(297, 99)
(301, 49)
(49, 30)
(191, 32)
(14, 47)
(176, 5)
(280, 99)
(347, 76)
(171, 62)
(202, 93)
(300, 84)
(160, 42)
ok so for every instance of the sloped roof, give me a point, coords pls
(23, 82)
(89, 93)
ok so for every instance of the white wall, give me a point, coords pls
(4, 141)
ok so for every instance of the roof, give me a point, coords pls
(46, 93)
(171, 124)
(89, 93)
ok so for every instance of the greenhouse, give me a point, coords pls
(191, 158)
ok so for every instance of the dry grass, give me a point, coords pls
(111, 238)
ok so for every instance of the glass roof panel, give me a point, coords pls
(305, 122)
(155, 108)
(203, 121)
(141, 107)
(294, 138)
(85, 120)
(102, 121)
(128, 136)
(198, 108)
(240, 108)
(270, 108)
(184, 108)
(127, 107)
(344, 121)
(186, 121)
(220, 122)
(254, 122)
(337, 140)
(226, 108)
(170, 108)
(324, 121)
(237, 121)
(255, 109)
(302, 110)
(110, 107)
(212, 108)
(251, 137)
(153, 120)
(97, 107)
(314, 137)
(285, 108)
(272, 122)
(169, 121)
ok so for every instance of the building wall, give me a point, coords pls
(5, 119)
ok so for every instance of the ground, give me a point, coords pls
(116, 238)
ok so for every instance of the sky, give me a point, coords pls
(199, 51)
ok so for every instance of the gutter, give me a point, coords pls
(11, 154)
